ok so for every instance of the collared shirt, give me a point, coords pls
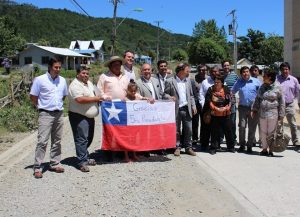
(111, 85)
(247, 90)
(79, 89)
(129, 73)
(50, 92)
(150, 85)
(207, 83)
(290, 87)
(230, 79)
(162, 81)
(181, 84)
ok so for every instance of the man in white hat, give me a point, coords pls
(113, 84)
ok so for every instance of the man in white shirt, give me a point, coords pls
(128, 68)
(47, 94)
(178, 88)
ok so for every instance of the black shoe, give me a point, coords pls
(212, 151)
(232, 150)
(271, 154)
(264, 153)
(249, 150)
(241, 149)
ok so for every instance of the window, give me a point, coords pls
(27, 60)
(45, 60)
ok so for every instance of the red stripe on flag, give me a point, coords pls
(139, 138)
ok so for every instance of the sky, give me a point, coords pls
(180, 16)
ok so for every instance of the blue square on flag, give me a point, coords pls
(114, 113)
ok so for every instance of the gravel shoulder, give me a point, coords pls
(156, 186)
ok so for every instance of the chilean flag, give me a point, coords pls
(138, 125)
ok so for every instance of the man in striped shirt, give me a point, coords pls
(230, 77)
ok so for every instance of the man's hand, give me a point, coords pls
(194, 111)
(107, 98)
(173, 98)
(253, 114)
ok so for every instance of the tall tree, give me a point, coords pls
(250, 46)
(206, 50)
(215, 37)
(272, 49)
(10, 41)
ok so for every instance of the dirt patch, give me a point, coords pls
(8, 139)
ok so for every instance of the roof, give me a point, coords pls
(60, 51)
(85, 45)
(84, 51)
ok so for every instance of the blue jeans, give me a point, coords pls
(83, 133)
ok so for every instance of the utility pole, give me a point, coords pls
(114, 27)
(157, 43)
(232, 31)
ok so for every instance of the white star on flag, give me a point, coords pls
(113, 112)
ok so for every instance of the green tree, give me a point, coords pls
(216, 47)
(272, 49)
(250, 46)
(10, 41)
(206, 50)
(180, 55)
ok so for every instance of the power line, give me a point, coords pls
(81, 8)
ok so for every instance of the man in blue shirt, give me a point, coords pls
(47, 95)
(247, 88)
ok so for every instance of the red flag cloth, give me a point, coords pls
(138, 125)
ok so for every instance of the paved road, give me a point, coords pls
(263, 186)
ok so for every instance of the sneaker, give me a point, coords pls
(232, 150)
(297, 144)
(191, 152)
(177, 152)
(212, 151)
(264, 153)
(241, 149)
(249, 150)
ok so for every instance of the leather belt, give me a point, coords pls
(44, 110)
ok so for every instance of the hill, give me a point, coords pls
(57, 27)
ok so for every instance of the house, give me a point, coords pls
(92, 48)
(40, 55)
(141, 59)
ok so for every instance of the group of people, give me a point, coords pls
(264, 102)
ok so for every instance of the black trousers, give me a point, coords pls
(226, 125)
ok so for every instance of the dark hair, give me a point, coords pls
(219, 78)
(132, 84)
(82, 67)
(53, 60)
(126, 51)
(253, 67)
(181, 67)
(224, 61)
(271, 74)
(160, 62)
(244, 68)
(284, 64)
(200, 66)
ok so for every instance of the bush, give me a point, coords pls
(20, 118)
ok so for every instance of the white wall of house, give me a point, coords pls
(36, 54)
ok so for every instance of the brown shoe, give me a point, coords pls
(57, 169)
(191, 152)
(177, 152)
(84, 169)
(38, 174)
